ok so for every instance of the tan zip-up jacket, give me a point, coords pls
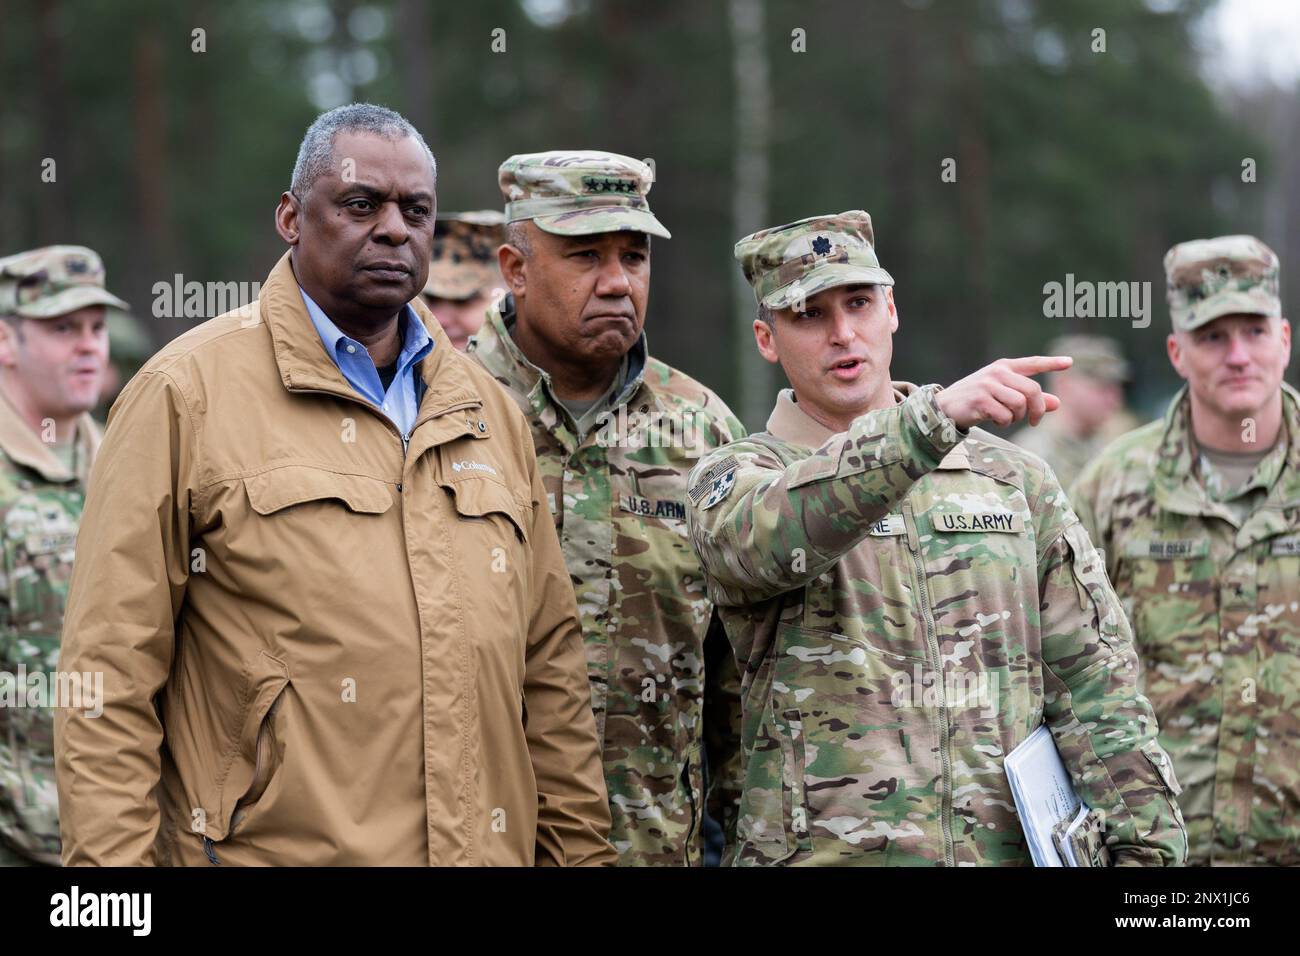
(319, 646)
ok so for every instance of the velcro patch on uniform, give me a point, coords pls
(888, 527)
(49, 543)
(715, 484)
(652, 509)
(1005, 522)
(1168, 549)
(1288, 545)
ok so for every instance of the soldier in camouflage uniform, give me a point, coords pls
(1092, 406)
(1199, 518)
(910, 596)
(463, 273)
(53, 355)
(616, 432)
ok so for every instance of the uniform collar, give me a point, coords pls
(495, 348)
(25, 448)
(305, 366)
(790, 423)
(1177, 484)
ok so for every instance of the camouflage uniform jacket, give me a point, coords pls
(619, 508)
(1215, 609)
(909, 602)
(40, 509)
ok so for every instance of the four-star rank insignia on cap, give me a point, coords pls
(604, 184)
(821, 245)
(715, 484)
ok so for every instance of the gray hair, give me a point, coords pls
(517, 236)
(316, 153)
(765, 315)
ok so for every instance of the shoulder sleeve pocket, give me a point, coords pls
(1093, 586)
(281, 488)
(1163, 765)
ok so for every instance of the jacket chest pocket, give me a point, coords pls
(867, 596)
(309, 490)
(489, 540)
(1278, 602)
(659, 604)
(979, 565)
(488, 515)
(309, 532)
(39, 538)
(1168, 581)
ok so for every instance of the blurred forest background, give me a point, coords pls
(756, 112)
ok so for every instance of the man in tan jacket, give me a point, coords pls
(319, 574)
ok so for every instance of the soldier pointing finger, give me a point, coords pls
(908, 596)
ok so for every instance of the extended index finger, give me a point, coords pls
(1037, 364)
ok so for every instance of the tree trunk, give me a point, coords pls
(750, 169)
(54, 223)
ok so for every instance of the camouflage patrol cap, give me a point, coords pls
(52, 281)
(579, 192)
(464, 257)
(787, 263)
(1207, 278)
(1094, 356)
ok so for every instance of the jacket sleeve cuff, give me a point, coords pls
(933, 429)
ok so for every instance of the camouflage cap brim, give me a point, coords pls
(69, 300)
(1121, 374)
(597, 219)
(1255, 301)
(825, 276)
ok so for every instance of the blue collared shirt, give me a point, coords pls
(402, 400)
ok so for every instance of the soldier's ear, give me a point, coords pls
(765, 339)
(511, 259)
(1286, 342)
(893, 309)
(286, 218)
(1175, 349)
(8, 343)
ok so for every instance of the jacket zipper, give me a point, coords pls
(419, 420)
(932, 648)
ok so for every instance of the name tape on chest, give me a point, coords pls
(887, 527)
(1286, 545)
(1002, 522)
(715, 484)
(650, 508)
(50, 542)
(1168, 549)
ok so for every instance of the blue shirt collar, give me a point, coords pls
(416, 342)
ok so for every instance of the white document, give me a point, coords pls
(1043, 793)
